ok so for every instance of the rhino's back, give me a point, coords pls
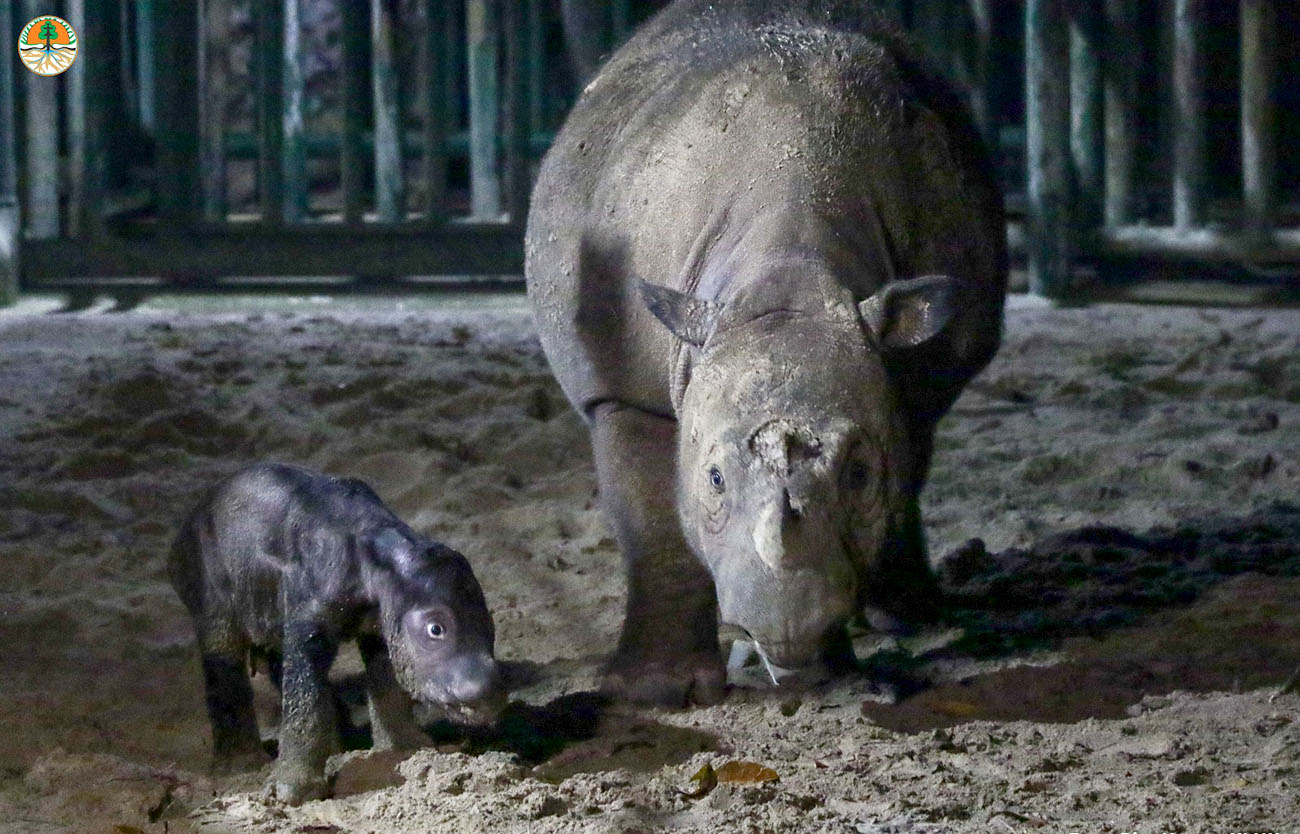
(719, 110)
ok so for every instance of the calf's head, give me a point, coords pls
(796, 477)
(437, 626)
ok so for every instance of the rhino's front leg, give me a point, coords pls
(308, 732)
(668, 652)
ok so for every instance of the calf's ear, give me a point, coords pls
(911, 312)
(393, 550)
(688, 318)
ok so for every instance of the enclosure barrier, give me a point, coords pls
(441, 118)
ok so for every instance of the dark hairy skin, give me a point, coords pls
(765, 254)
(286, 564)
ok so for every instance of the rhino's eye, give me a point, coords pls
(716, 480)
(434, 630)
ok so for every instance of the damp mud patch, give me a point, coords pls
(1094, 622)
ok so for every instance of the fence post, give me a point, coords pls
(390, 200)
(177, 56)
(1258, 144)
(269, 16)
(482, 27)
(516, 115)
(295, 157)
(355, 32)
(435, 110)
(1047, 146)
(1189, 116)
(10, 215)
(1120, 109)
(41, 150)
(536, 68)
(1087, 122)
(144, 64)
(213, 69)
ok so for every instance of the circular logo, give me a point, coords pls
(47, 45)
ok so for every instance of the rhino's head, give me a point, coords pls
(795, 470)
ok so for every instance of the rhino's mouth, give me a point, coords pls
(785, 661)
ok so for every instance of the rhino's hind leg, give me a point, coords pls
(236, 744)
(668, 653)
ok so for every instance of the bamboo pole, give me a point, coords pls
(270, 109)
(1120, 110)
(355, 31)
(389, 195)
(1258, 143)
(294, 162)
(516, 116)
(41, 150)
(1189, 115)
(10, 215)
(212, 105)
(1047, 145)
(1087, 116)
(433, 136)
(482, 28)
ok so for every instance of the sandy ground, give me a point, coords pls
(1087, 682)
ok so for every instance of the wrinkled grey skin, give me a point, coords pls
(764, 254)
(285, 564)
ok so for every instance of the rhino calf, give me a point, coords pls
(286, 563)
(765, 254)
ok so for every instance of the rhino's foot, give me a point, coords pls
(294, 786)
(697, 678)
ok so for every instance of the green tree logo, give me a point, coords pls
(48, 57)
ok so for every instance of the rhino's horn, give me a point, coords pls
(909, 313)
(688, 318)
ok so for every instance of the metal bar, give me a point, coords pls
(482, 28)
(10, 216)
(270, 109)
(390, 200)
(76, 116)
(300, 250)
(516, 116)
(1172, 243)
(177, 57)
(144, 64)
(1087, 112)
(1189, 115)
(435, 111)
(1047, 146)
(1258, 143)
(214, 71)
(41, 150)
(353, 163)
(294, 162)
(981, 70)
(1120, 73)
(126, 63)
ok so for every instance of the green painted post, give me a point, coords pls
(41, 151)
(482, 28)
(144, 64)
(295, 161)
(1120, 73)
(353, 164)
(1047, 145)
(435, 111)
(177, 64)
(10, 214)
(390, 200)
(270, 109)
(213, 78)
(1087, 119)
(516, 116)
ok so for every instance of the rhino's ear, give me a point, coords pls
(689, 318)
(394, 551)
(909, 313)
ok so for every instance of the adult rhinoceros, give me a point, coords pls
(765, 254)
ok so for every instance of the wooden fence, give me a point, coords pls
(138, 168)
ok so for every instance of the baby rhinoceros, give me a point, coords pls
(286, 563)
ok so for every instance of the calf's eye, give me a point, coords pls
(435, 631)
(716, 480)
